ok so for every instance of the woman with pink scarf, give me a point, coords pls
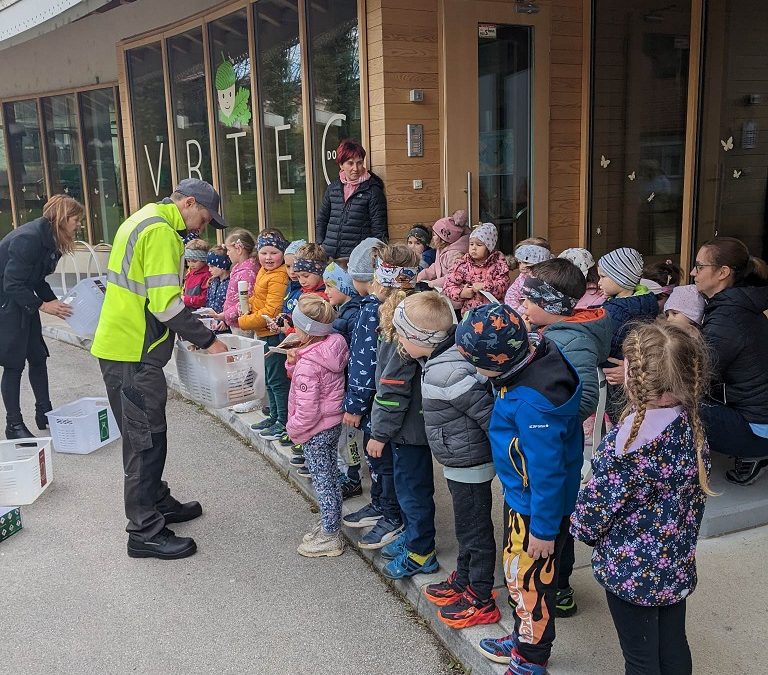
(354, 206)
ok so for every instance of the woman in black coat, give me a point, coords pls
(27, 255)
(736, 331)
(354, 206)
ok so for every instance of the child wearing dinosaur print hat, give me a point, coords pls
(536, 442)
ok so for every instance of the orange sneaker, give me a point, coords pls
(444, 593)
(469, 610)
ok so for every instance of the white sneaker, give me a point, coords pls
(323, 544)
(247, 407)
(309, 536)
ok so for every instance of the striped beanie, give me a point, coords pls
(624, 266)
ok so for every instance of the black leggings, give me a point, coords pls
(652, 638)
(10, 386)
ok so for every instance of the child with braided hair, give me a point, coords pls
(642, 508)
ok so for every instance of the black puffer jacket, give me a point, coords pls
(340, 225)
(736, 330)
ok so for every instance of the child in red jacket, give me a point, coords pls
(198, 274)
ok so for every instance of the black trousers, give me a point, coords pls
(476, 562)
(652, 638)
(729, 433)
(137, 394)
(567, 561)
(383, 495)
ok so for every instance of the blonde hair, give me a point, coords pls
(397, 255)
(664, 359)
(57, 210)
(313, 252)
(197, 245)
(245, 239)
(218, 249)
(514, 263)
(429, 311)
(316, 308)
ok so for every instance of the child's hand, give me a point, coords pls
(527, 322)
(614, 375)
(376, 448)
(352, 420)
(290, 356)
(272, 327)
(467, 293)
(478, 286)
(540, 548)
(220, 326)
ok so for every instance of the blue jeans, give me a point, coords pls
(277, 381)
(415, 487)
(383, 495)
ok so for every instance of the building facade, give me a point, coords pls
(594, 123)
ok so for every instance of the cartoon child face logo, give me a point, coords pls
(227, 100)
(234, 101)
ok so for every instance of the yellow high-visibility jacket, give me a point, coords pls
(143, 306)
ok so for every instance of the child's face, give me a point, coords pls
(477, 250)
(416, 246)
(309, 279)
(436, 241)
(302, 335)
(523, 267)
(270, 258)
(335, 296)
(537, 316)
(608, 287)
(216, 272)
(681, 320)
(362, 287)
(289, 266)
(195, 265)
(413, 350)
(235, 252)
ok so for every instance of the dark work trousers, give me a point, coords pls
(652, 638)
(567, 561)
(383, 495)
(137, 394)
(278, 383)
(476, 562)
(415, 489)
(729, 433)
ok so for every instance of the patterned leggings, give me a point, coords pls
(320, 454)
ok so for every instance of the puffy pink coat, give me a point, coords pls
(493, 273)
(317, 388)
(444, 262)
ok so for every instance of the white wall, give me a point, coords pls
(84, 52)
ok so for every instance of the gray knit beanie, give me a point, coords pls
(360, 265)
(624, 266)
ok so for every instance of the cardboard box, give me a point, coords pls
(10, 521)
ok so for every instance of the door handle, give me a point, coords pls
(468, 190)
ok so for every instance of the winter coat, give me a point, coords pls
(266, 298)
(592, 298)
(536, 440)
(446, 259)
(340, 225)
(585, 340)
(458, 403)
(428, 257)
(736, 331)
(244, 271)
(292, 295)
(396, 415)
(626, 311)
(493, 272)
(642, 510)
(28, 254)
(196, 287)
(317, 388)
(217, 293)
(361, 374)
(345, 322)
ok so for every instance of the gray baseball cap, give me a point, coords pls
(204, 195)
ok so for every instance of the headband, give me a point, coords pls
(272, 240)
(391, 276)
(195, 254)
(547, 297)
(309, 265)
(220, 261)
(411, 332)
(309, 326)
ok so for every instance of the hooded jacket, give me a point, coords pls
(625, 311)
(342, 225)
(736, 331)
(345, 322)
(444, 262)
(536, 440)
(493, 273)
(317, 388)
(585, 340)
(196, 287)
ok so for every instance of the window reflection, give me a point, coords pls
(6, 216)
(24, 152)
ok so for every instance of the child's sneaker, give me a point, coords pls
(264, 424)
(247, 407)
(273, 433)
(519, 666)
(365, 517)
(297, 460)
(350, 488)
(469, 610)
(328, 545)
(309, 536)
(405, 566)
(303, 471)
(444, 592)
(297, 449)
(285, 441)
(380, 534)
(499, 650)
(565, 605)
(265, 411)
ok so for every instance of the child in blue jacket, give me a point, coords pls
(536, 441)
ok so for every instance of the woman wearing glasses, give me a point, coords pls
(736, 330)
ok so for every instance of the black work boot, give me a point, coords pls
(165, 545)
(181, 513)
(16, 430)
(40, 418)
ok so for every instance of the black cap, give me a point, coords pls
(204, 195)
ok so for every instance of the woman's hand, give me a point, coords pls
(56, 308)
(375, 448)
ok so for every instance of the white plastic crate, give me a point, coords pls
(26, 470)
(221, 380)
(86, 299)
(82, 426)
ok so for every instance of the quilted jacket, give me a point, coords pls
(493, 272)
(445, 261)
(266, 298)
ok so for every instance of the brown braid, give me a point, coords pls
(699, 436)
(637, 384)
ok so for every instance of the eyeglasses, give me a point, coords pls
(700, 266)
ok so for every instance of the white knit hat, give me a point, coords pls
(487, 234)
(624, 266)
(531, 254)
(580, 257)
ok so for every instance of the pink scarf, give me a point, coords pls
(351, 186)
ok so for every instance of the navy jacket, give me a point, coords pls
(625, 311)
(345, 322)
(361, 371)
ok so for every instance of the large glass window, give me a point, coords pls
(335, 80)
(190, 114)
(102, 162)
(639, 98)
(231, 66)
(279, 69)
(150, 128)
(26, 160)
(6, 216)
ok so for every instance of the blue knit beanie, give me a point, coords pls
(337, 277)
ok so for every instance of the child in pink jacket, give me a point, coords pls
(483, 268)
(315, 411)
(527, 255)
(451, 242)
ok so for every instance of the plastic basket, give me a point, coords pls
(26, 470)
(82, 426)
(222, 380)
(86, 299)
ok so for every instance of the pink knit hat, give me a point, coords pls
(448, 230)
(688, 301)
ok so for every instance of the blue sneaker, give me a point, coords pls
(273, 433)
(383, 532)
(391, 551)
(517, 666)
(365, 517)
(498, 650)
(405, 566)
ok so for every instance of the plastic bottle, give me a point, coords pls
(242, 294)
